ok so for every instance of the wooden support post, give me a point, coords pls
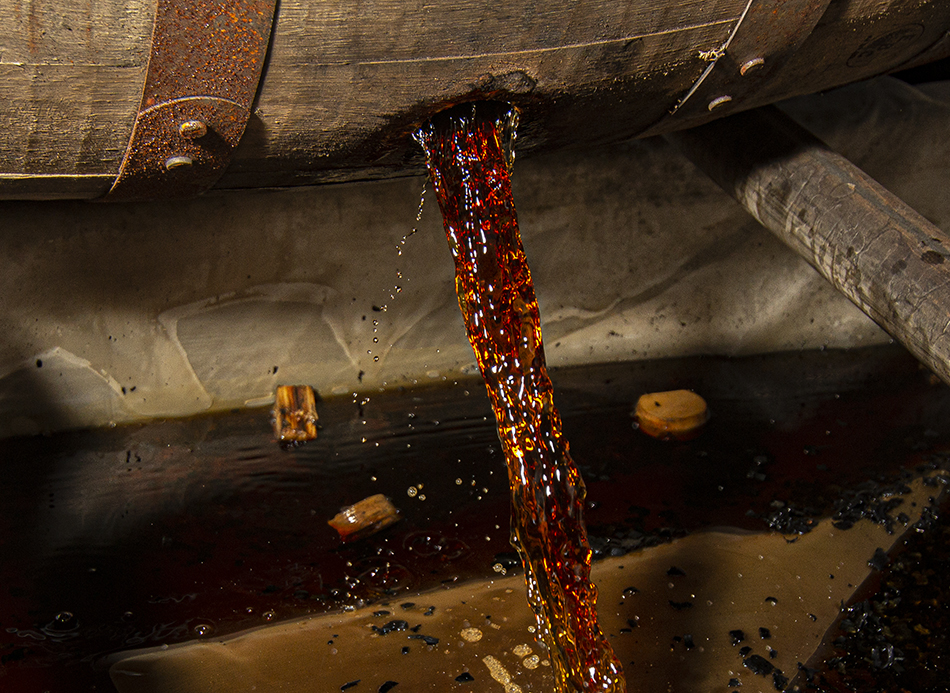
(884, 256)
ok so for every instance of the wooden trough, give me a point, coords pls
(243, 95)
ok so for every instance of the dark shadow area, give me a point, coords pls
(146, 535)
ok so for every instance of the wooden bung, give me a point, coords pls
(677, 414)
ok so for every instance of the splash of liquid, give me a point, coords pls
(468, 152)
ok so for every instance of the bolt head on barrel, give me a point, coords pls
(192, 129)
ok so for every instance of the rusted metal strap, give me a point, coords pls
(206, 62)
(766, 36)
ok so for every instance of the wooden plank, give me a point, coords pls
(884, 256)
(74, 32)
(27, 186)
(70, 77)
(328, 33)
(321, 119)
(66, 119)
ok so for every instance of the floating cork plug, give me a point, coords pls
(676, 414)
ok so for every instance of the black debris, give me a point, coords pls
(743, 651)
(349, 685)
(429, 611)
(758, 664)
(407, 605)
(464, 677)
(779, 680)
(733, 683)
(736, 636)
(790, 519)
(773, 653)
(629, 591)
(679, 606)
(632, 623)
(870, 637)
(416, 628)
(878, 560)
(388, 686)
(391, 626)
(427, 639)
(813, 617)
(674, 571)
(405, 650)
(771, 600)
(688, 641)
(809, 673)
(606, 546)
(764, 633)
(382, 612)
(870, 501)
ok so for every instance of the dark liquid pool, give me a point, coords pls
(155, 534)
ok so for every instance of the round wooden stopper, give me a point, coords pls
(677, 414)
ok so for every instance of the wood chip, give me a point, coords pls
(295, 414)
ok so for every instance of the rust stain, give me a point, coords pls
(33, 27)
(198, 70)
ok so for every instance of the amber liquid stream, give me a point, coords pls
(466, 155)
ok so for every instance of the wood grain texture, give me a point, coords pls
(884, 256)
(70, 78)
(346, 83)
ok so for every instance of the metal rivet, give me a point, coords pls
(717, 102)
(177, 161)
(193, 129)
(751, 65)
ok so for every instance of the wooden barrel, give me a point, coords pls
(345, 84)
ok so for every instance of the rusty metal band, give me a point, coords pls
(206, 61)
(766, 36)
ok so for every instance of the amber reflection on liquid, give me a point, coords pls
(466, 157)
